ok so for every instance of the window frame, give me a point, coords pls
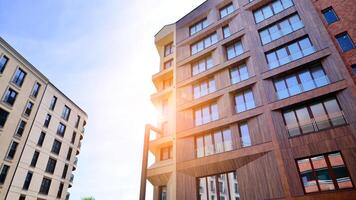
(168, 47)
(45, 186)
(36, 89)
(2, 68)
(8, 98)
(203, 23)
(343, 34)
(226, 8)
(27, 112)
(328, 9)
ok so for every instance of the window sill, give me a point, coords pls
(326, 129)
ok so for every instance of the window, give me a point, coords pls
(323, 173)
(74, 135)
(56, 147)
(330, 15)
(47, 120)
(234, 50)
(271, 9)
(197, 27)
(244, 101)
(77, 122)
(61, 129)
(41, 139)
(69, 154)
(53, 103)
(282, 28)
(202, 65)
(20, 128)
(27, 182)
(168, 49)
(35, 156)
(345, 42)
(245, 135)
(239, 73)
(19, 77)
(12, 150)
(51, 165)
(66, 113)
(168, 64)
(204, 88)
(45, 185)
(22, 197)
(60, 190)
(287, 54)
(226, 31)
(227, 187)
(28, 109)
(10, 96)
(165, 108)
(204, 43)
(313, 117)
(301, 81)
(36, 89)
(212, 143)
(3, 117)
(166, 153)
(3, 62)
(206, 114)
(226, 10)
(3, 173)
(162, 192)
(65, 170)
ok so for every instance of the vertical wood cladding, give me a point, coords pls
(273, 175)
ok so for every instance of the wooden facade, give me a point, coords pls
(267, 169)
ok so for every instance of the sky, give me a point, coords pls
(101, 54)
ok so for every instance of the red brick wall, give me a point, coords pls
(345, 10)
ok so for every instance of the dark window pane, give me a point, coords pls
(3, 117)
(307, 177)
(322, 173)
(36, 89)
(65, 170)
(3, 62)
(3, 173)
(28, 109)
(45, 185)
(345, 42)
(10, 96)
(53, 103)
(330, 15)
(51, 165)
(47, 120)
(60, 190)
(41, 139)
(27, 182)
(36, 154)
(342, 176)
(56, 147)
(61, 129)
(21, 128)
(354, 68)
(12, 151)
(66, 113)
(69, 154)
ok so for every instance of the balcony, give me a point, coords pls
(159, 172)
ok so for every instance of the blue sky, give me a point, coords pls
(102, 55)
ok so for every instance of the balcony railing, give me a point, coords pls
(316, 124)
(219, 147)
(304, 87)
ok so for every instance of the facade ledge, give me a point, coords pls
(161, 75)
(255, 4)
(160, 172)
(161, 94)
(223, 162)
(165, 140)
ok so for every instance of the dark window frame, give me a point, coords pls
(53, 103)
(3, 117)
(28, 108)
(10, 96)
(19, 77)
(27, 181)
(45, 186)
(51, 165)
(41, 139)
(343, 34)
(20, 128)
(2, 68)
(325, 11)
(35, 157)
(56, 147)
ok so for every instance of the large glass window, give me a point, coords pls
(12, 150)
(330, 15)
(3, 173)
(10, 96)
(323, 173)
(345, 41)
(47, 120)
(222, 186)
(202, 65)
(3, 62)
(234, 50)
(36, 89)
(239, 73)
(3, 117)
(301, 81)
(314, 117)
(204, 88)
(19, 77)
(197, 27)
(27, 181)
(45, 185)
(51, 165)
(271, 9)
(226, 31)
(245, 135)
(204, 43)
(206, 114)
(66, 113)
(244, 101)
(226, 10)
(56, 147)
(287, 54)
(53, 103)
(61, 129)
(281, 28)
(213, 143)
